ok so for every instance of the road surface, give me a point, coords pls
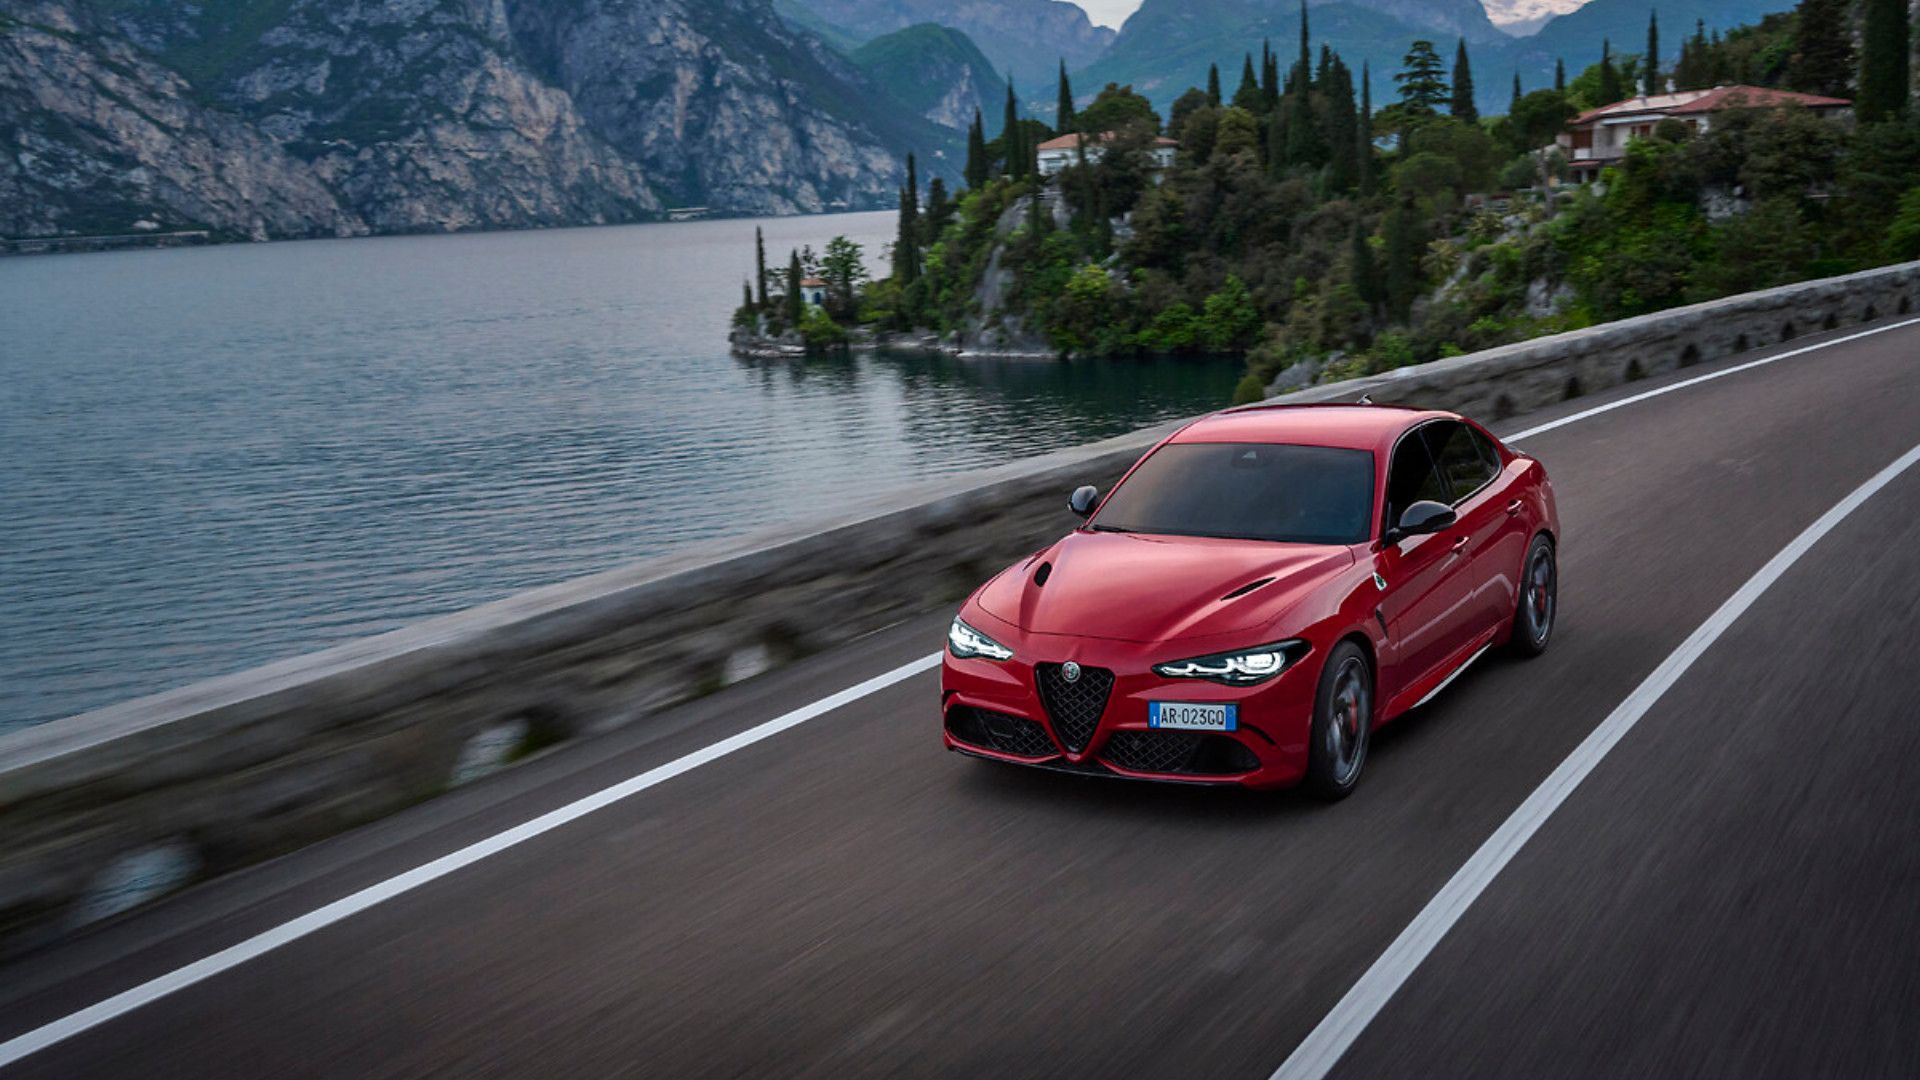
(1733, 889)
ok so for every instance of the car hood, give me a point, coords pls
(1134, 587)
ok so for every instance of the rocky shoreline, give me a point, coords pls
(755, 346)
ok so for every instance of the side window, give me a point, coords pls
(1412, 477)
(1467, 463)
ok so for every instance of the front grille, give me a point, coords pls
(1178, 752)
(998, 731)
(1074, 707)
(1152, 751)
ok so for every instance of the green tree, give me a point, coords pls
(1342, 128)
(1903, 235)
(1652, 73)
(795, 305)
(1822, 60)
(1230, 322)
(1063, 120)
(1213, 85)
(1237, 132)
(1885, 80)
(1403, 263)
(1463, 107)
(1560, 76)
(1423, 83)
(1611, 88)
(1516, 94)
(977, 167)
(1248, 95)
(1010, 136)
(1360, 269)
(1536, 119)
(1364, 168)
(760, 264)
(1117, 107)
(906, 246)
(844, 267)
(1185, 106)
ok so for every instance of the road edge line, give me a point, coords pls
(1329, 1041)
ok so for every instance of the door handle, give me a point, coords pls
(1460, 544)
(1514, 506)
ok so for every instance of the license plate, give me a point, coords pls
(1191, 716)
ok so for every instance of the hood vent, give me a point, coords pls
(1247, 588)
(1041, 575)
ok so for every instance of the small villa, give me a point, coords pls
(1063, 152)
(1599, 137)
(814, 291)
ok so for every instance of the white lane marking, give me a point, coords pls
(234, 955)
(122, 1003)
(1323, 1047)
(1698, 379)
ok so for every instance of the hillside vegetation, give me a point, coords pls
(1319, 236)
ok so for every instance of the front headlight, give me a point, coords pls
(1242, 667)
(965, 642)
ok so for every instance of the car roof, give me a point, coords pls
(1355, 427)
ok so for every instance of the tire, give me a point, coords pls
(1539, 600)
(1342, 723)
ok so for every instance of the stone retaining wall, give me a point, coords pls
(102, 812)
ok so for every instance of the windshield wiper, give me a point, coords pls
(1110, 528)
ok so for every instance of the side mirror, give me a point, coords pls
(1083, 500)
(1420, 519)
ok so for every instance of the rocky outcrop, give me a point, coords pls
(1026, 37)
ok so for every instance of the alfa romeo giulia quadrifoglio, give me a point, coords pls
(1259, 593)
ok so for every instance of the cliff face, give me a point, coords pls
(105, 140)
(1026, 37)
(335, 117)
(936, 71)
(724, 104)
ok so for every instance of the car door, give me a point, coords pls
(1477, 494)
(1422, 578)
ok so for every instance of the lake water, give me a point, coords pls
(217, 457)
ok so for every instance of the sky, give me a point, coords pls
(1114, 12)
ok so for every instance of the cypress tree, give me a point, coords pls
(1363, 171)
(906, 248)
(1463, 108)
(977, 168)
(1610, 88)
(1652, 84)
(1342, 130)
(1010, 133)
(746, 297)
(1885, 71)
(1248, 95)
(794, 303)
(1306, 48)
(1822, 61)
(1269, 74)
(760, 265)
(1213, 85)
(1326, 65)
(1516, 94)
(1063, 120)
(1560, 76)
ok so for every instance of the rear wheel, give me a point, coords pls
(1342, 723)
(1539, 599)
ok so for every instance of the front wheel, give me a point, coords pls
(1342, 723)
(1539, 599)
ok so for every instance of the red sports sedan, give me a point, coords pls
(1261, 590)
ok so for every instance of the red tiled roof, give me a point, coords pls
(812, 283)
(1695, 102)
(1071, 141)
(1757, 97)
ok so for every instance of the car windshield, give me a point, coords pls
(1246, 491)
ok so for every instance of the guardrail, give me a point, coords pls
(103, 812)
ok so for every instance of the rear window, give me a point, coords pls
(1247, 491)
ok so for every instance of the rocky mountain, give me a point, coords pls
(936, 71)
(270, 118)
(1028, 38)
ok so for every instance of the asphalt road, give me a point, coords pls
(1735, 890)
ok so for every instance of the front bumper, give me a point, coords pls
(996, 710)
